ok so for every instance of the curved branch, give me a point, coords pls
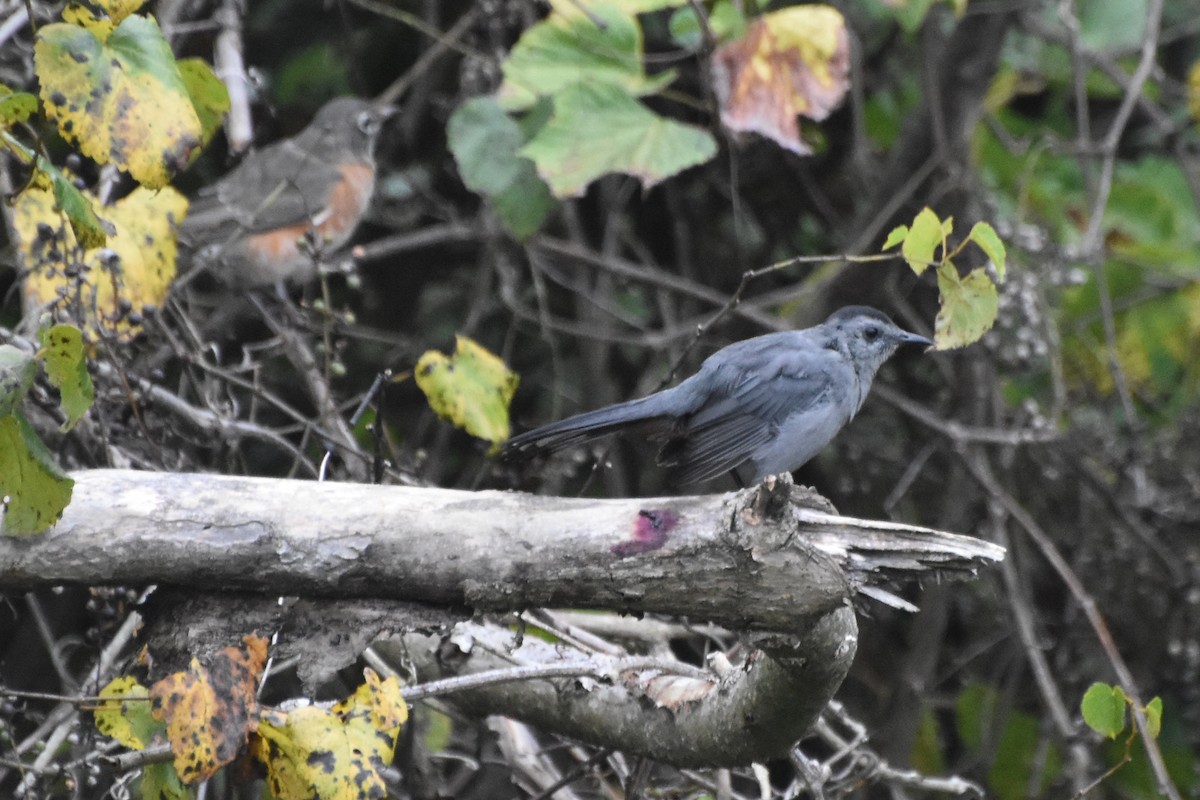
(760, 561)
(751, 714)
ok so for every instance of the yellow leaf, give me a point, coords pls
(121, 98)
(133, 271)
(1193, 91)
(125, 714)
(377, 700)
(336, 753)
(100, 16)
(969, 304)
(472, 389)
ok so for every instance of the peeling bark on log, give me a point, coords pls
(752, 714)
(758, 563)
(699, 557)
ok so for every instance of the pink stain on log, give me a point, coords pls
(649, 532)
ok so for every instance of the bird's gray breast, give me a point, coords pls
(809, 400)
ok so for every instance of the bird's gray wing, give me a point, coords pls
(750, 400)
(254, 197)
(699, 453)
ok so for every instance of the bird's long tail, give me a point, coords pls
(590, 425)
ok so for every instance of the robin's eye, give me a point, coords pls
(872, 333)
(367, 122)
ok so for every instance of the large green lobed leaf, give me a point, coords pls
(598, 128)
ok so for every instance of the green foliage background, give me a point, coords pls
(1082, 404)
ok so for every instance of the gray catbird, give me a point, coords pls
(769, 403)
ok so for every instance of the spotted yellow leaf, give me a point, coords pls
(102, 285)
(472, 389)
(124, 713)
(100, 16)
(119, 96)
(333, 753)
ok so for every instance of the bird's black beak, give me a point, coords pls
(913, 338)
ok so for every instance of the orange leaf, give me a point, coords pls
(211, 710)
(790, 62)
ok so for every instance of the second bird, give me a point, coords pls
(245, 228)
(760, 407)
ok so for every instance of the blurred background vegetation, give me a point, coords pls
(1070, 430)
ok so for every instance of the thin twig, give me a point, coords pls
(418, 24)
(959, 433)
(977, 465)
(398, 87)
(231, 69)
(1091, 245)
(600, 668)
(1040, 667)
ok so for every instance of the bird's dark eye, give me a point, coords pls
(367, 123)
(872, 333)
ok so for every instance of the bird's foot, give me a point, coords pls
(770, 499)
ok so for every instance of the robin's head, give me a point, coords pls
(345, 126)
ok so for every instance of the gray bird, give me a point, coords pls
(764, 405)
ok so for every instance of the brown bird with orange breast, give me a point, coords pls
(247, 228)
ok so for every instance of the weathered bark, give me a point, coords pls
(754, 712)
(699, 557)
(781, 574)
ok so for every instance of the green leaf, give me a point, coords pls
(1136, 779)
(17, 371)
(320, 70)
(923, 239)
(33, 490)
(476, 131)
(437, 729)
(974, 709)
(15, 106)
(208, 94)
(90, 231)
(1103, 708)
(989, 242)
(472, 389)
(524, 206)
(66, 367)
(1012, 776)
(1154, 712)
(968, 307)
(162, 782)
(724, 20)
(927, 756)
(1005, 739)
(898, 235)
(602, 46)
(911, 15)
(485, 141)
(124, 714)
(1112, 25)
(1152, 218)
(638, 6)
(598, 128)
